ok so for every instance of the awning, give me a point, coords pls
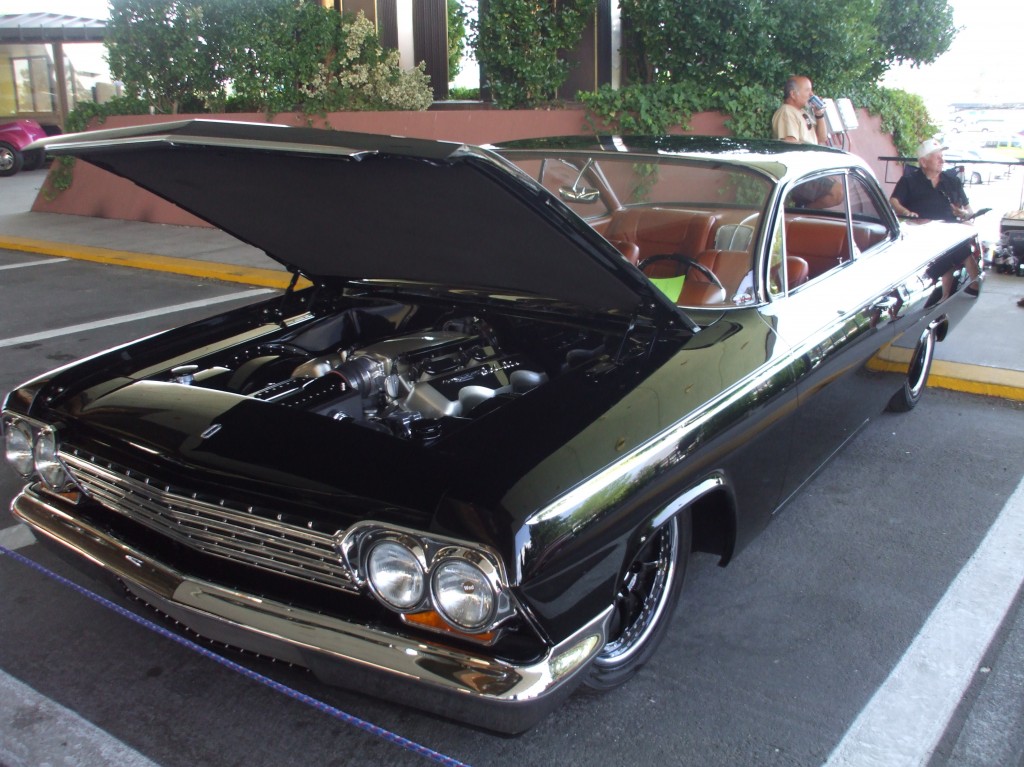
(50, 28)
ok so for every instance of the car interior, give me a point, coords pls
(693, 228)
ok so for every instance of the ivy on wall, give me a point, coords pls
(660, 108)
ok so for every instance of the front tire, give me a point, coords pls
(10, 159)
(646, 598)
(920, 365)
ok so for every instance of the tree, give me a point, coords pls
(159, 51)
(918, 31)
(269, 49)
(759, 42)
(270, 55)
(457, 17)
(519, 45)
(734, 57)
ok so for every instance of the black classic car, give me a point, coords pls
(462, 462)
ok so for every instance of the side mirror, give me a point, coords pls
(579, 194)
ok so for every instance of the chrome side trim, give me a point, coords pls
(473, 688)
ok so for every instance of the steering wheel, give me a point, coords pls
(687, 262)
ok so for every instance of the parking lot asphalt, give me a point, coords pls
(984, 355)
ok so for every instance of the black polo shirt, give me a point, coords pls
(915, 192)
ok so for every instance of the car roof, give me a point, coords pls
(777, 159)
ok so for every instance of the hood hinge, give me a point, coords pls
(281, 311)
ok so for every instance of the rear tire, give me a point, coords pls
(646, 599)
(920, 365)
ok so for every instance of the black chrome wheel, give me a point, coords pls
(910, 394)
(647, 595)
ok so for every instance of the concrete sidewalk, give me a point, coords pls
(983, 355)
(194, 251)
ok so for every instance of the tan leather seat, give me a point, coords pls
(823, 243)
(797, 271)
(729, 266)
(657, 231)
(868, 235)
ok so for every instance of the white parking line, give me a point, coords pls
(905, 719)
(72, 329)
(41, 262)
(16, 537)
(34, 730)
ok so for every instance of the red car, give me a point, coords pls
(14, 137)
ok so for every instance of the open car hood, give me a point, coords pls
(346, 206)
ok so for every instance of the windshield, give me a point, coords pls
(691, 226)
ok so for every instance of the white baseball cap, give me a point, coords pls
(928, 146)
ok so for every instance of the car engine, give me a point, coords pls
(402, 384)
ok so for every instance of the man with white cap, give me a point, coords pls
(928, 192)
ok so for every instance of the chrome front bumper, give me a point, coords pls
(471, 688)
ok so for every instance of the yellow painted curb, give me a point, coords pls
(268, 278)
(958, 376)
(977, 379)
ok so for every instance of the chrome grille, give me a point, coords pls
(220, 528)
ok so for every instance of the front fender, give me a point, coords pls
(571, 563)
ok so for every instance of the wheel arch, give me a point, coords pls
(713, 517)
(712, 508)
(591, 556)
(649, 585)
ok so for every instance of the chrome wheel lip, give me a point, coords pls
(633, 637)
(921, 364)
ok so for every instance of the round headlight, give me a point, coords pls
(18, 446)
(47, 465)
(395, 575)
(463, 594)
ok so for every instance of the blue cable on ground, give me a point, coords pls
(309, 700)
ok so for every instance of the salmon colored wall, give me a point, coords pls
(95, 192)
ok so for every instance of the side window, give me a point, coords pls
(863, 205)
(817, 233)
(819, 193)
(821, 214)
(870, 222)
